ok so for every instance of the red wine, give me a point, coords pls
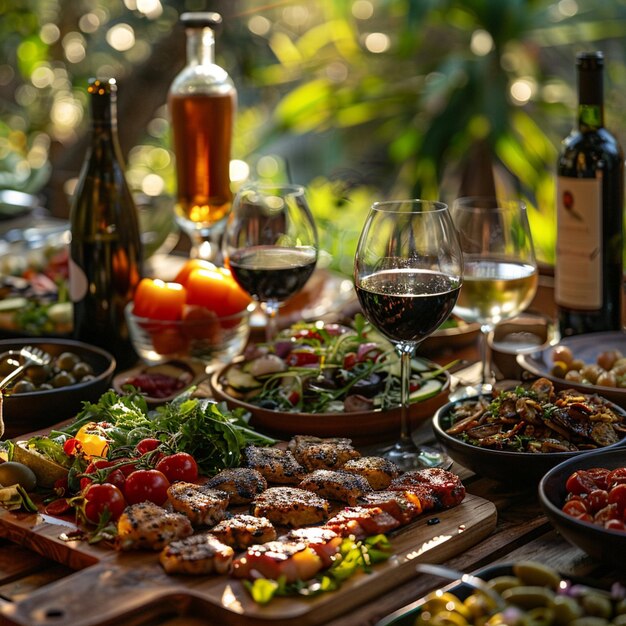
(408, 304)
(105, 253)
(271, 272)
(590, 202)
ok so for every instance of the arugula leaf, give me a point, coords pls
(51, 449)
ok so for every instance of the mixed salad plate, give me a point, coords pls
(329, 380)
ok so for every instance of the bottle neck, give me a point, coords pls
(590, 98)
(200, 46)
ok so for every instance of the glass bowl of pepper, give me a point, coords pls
(202, 316)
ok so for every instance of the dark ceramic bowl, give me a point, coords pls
(29, 412)
(601, 544)
(523, 469)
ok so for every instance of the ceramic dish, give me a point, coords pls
(28, 412)
(598, 542)
(523, 469)
(584, 347)
(360, 426)
(161, 383)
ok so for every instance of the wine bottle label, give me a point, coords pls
(578, 271)
(77, 282)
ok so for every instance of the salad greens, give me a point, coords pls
(212, 434)
(354, 556)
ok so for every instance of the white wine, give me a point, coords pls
(495, 290)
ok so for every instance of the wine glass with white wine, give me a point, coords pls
(500, 276)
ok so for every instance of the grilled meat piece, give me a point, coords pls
(241, 531)
(404, 507)
(292, 559)
(241, 483)
(150, 527)
(290, 506)
(316, 453)
(378, 471)
(198, 554)
(324, 541)
(276, 465)
(201, 504)
(362, 522)
(435, 487)
(336, 485)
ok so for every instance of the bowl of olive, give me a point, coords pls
(48, 394)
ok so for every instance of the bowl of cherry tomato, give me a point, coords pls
(585, 500)
(201, 316)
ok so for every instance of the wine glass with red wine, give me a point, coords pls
(270, 244)
(407, 272)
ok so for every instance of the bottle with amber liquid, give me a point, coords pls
(590, 204)
(202, 101)
(105, 252)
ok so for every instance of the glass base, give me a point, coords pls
(408, 457)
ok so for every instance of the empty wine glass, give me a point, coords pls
(500, 278)
(407, 273)
(270, 244)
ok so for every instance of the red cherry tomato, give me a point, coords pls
(72, 446)
(617, 496)
(144, 485)
(574, 508)
(580, 482)
(126, 466)
(617, 477)
(608, 512)
(147, 445)
(349, 360)
(179, 466)
(615, 524)
(596, 500)
(102, 473)
(58, 507)
(103, 498)
(302, 358)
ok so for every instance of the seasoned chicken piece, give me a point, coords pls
(201, 504)
(324, 541)
(336, 485)
(148, 526)
(316, 453)
(290, 506)
(378, 471)
(276, 465)
(198, 554)
(292, 559)
(362, 522)
(435, 487)
(241, 483)
(404, 507)
(241, 531)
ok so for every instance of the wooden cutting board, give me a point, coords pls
(116, 588)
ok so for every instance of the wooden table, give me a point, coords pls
(522, 532)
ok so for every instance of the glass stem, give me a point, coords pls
(485, 354)
(271, 323)
(405, 377)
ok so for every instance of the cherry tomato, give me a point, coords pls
(608, 512)
(99, 468)
(302, 358)
(349, 360)
(596, 500)
(144, 485)
(168, 340)
(574, 508)
(600, 476)
(126, 466)
(615, 524)
(159, 300)
(580, 482)
(147, 445)
(72, 446)
(617, 496)
(58, 507)
(103, 498)
(617, 477)
(179, 466)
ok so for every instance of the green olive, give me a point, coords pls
(62, 379)
(596, 605)
(81, 369)
(38, 373)
(13, 473)
(566, 609)
(537, 574)
(67, 360)
(23, 386)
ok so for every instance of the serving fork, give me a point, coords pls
(30, 356)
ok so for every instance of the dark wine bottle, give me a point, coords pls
(105, 251)
(590, 204)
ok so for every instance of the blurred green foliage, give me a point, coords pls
(358, 99)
